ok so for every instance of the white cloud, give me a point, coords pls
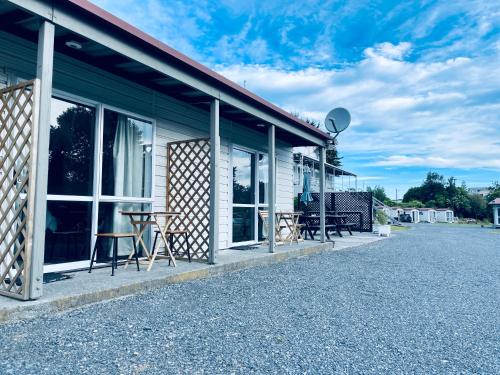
(371, 178)
(428, 114)
(434, 161)
(389, 50)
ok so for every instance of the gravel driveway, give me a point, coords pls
(425, 301)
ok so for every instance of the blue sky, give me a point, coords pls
(421, 79)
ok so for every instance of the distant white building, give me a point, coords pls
(414, 213)
(495, 205)
(444, 215)
(482, 191)
(427, 215)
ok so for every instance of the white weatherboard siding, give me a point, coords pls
(284, 178)
(175, 121)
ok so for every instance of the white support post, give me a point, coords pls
(322, 207)
(214, 180)
(44, 71)
(271, 186)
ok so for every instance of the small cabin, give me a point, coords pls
(427, 215)
(444, 215)
(413, 212)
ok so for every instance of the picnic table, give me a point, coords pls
(140, 221)
(333, 221)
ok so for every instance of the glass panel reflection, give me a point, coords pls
(243, 177)
(243, 224)
(112, 221)
(127, 156)
(71, 152)
(67, 231)
(263, 178)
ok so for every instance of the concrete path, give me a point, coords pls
(84, 288)
(424, 301)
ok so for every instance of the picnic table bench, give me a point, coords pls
(333, 221)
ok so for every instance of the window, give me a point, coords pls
(330, 181)
(127, 156)
(250, 185)
(297, 170)
(111, 220)
(86, 192)
(263, 169)
(71, 150)
(70, 184)
(243, 195)
(68, 231)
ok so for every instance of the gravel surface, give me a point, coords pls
(425, 301)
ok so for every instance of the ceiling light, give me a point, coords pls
(73, 44)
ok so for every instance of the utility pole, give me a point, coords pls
(396, 195)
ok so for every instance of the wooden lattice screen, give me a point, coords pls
(188, 192)
(18, 133)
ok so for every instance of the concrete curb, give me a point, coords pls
(34, 309)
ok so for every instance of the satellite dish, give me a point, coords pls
(337, 120)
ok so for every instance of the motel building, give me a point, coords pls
(100, 118)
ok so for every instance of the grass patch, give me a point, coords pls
(396, 228)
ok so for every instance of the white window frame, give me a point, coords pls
(96, 196)
(256, 205)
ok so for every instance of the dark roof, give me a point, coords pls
(87, 9)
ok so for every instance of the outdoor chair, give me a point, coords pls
(264, 216)
(114, 257)
(171, 233)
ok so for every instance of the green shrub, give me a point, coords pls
(381, 217)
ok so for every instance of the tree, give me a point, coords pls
(71, 151)
(478, 208)
(413, 204)
(460, 202)
(437, 192)
(494, 192)
(413, 194)
(378, 192)
(332, 156)
(433, 187)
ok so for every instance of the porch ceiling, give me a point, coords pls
(23, 24)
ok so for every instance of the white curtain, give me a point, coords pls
(264, 178)
(128, 163)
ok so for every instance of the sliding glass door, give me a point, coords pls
(249, 194)
(100, 163)
(127, 176)
(243, 196)
(70, 182)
